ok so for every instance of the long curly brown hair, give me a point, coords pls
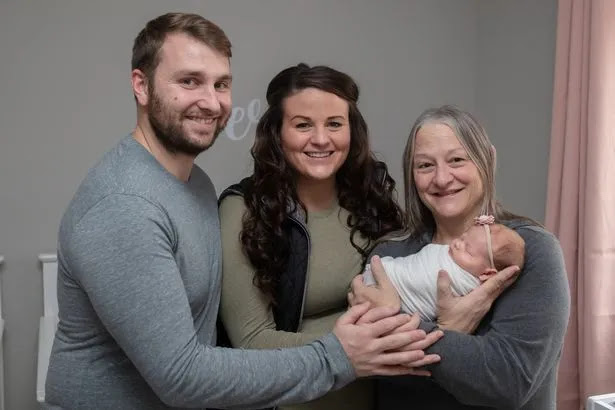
(364, 185)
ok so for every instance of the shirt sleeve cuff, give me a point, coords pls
(428, 326)
(341, 368)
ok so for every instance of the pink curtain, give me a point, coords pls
(581, 193)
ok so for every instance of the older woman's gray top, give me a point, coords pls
(511, 361)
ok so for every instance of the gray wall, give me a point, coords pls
(516, 53)
(65, 99)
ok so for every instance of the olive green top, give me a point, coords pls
(245, 310)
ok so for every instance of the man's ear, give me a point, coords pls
(140, 86)
(487, 273)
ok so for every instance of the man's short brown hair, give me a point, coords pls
(147, 45)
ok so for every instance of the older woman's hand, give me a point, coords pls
(381, 294)
(464, 313)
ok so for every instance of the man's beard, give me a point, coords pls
(169, 132)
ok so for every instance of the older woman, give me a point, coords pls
(297, 231)
(507, 360)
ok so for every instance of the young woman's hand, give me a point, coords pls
(381, 294)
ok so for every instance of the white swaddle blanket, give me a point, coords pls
(415, 278)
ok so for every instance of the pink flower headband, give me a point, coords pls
(486, 220)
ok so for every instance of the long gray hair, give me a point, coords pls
(475, 141)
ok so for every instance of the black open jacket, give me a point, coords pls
(290, 290)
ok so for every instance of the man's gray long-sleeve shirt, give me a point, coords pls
(139, 259)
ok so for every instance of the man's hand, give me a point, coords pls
(464, 313)
(423, 344)
(379, 342)
(381, 294)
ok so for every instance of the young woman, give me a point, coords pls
(297, 231)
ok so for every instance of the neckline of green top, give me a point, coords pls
(324, 213)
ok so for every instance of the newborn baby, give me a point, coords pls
(478, 253)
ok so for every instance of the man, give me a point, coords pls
(139, 262)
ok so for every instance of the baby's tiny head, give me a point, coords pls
(470, 250)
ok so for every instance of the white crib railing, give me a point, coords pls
(48, 322)
(601, 402)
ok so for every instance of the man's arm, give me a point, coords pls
(122, 256)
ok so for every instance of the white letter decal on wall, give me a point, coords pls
(237, 116)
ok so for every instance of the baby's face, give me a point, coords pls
(470, 251)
